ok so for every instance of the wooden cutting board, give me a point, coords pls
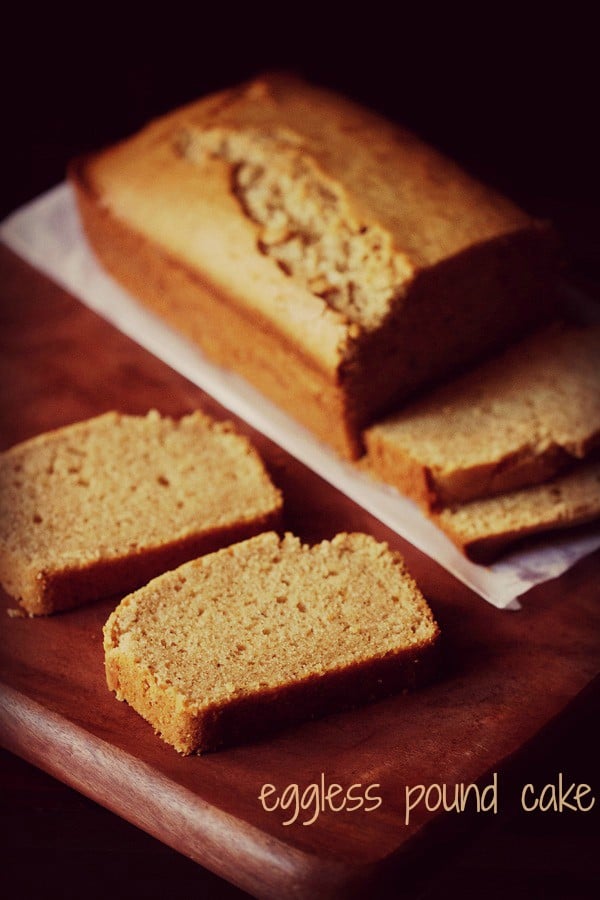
(504, 677)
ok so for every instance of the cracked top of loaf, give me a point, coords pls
(310, 211)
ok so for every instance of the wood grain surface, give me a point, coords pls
(505, 676)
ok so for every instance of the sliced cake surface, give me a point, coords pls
(483, 528)
(515, 421)
(265, 633)
(104, 505)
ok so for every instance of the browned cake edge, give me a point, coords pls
(439, 327)
(453, 315)
(485, 549)
(230, 336)
(55, 590)
(433, 487)
(395, 466)
(248, 718)
(243, 718)
(398, 469)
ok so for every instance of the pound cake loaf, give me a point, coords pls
(516, 421)
(331, 257)
(485, 528)
(266, 633)
(104, 505)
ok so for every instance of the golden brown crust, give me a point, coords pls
(433, 209)
(250, 718)
(473, 269)
(231, 336)
(392, 466)
(47, 591)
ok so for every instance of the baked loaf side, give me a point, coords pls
(104, 505)
(266, 633)
(483, 529)
(337, 248)
(513, 422)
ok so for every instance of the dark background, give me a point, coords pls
(510, 94)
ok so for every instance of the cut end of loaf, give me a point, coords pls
(518, 420)
(266, 633)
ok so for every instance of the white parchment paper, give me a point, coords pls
(48, 235)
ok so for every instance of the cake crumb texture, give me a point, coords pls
(513, 422)
(483, 528)
(101, 506)
(265, 633)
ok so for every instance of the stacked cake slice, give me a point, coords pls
(508, 449)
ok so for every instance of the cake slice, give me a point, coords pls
(516, 421)
(484, 528)
(265, 633)
(104, 505)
